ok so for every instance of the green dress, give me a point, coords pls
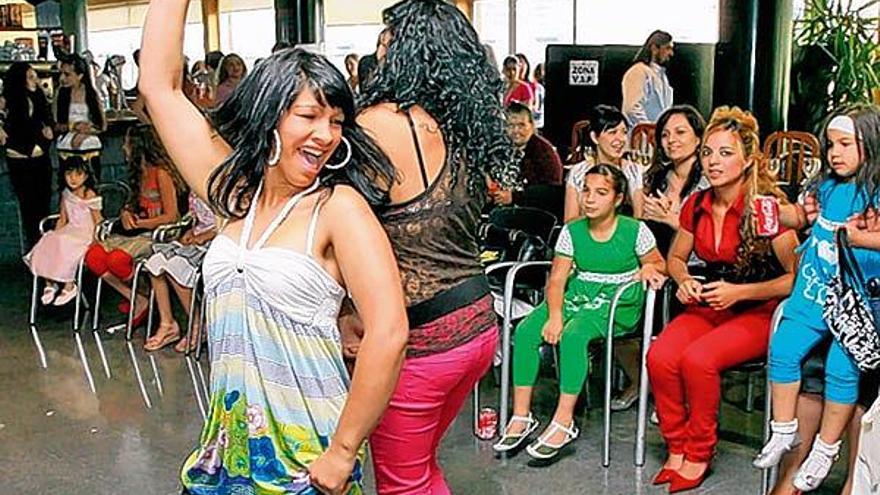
(598, 270)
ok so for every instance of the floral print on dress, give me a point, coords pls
(245, 457)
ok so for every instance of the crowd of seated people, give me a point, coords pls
(157, 192)
(75, 120)
(696, 204)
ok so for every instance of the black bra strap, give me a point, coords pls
(412, 128)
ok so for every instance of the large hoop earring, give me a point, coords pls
(275, 157)
(345, 160)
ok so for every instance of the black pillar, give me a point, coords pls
(296, 21)
(75, 21)
(753, 59)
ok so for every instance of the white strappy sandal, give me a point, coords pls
(542, 449)
(510, 441)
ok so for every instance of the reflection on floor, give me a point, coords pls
(56, 437)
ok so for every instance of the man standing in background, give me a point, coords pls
(646, 89)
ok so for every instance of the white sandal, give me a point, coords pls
(66, 296)
(814, 470)
(510, 441)
(784, 438)
(48, 294)
(541, 449)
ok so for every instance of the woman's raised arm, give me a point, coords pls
(193, 145)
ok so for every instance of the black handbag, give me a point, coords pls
(852, 308)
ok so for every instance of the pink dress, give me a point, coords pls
(57, 254)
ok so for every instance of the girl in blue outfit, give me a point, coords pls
(846, 190)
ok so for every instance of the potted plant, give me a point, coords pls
(836, 59)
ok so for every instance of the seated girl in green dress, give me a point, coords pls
(594, 256)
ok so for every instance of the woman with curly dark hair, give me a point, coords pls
(284, 160)
(434, 107)
(728, 310)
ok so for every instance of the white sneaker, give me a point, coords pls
(814, 470)
(48, 294)
(785, 437)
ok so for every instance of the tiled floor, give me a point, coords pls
(56, 437)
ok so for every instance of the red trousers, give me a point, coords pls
(685, 365)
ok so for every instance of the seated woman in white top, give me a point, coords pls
(607, 142)
(79, 114)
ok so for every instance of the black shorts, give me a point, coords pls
(813, 376)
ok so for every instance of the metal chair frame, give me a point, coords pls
(79, 302)
(647, 325)
(193, 352)
(768, 476)
(164, 233)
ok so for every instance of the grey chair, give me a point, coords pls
(647, 326)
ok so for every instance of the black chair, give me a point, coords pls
(519, 234)
(547, 197)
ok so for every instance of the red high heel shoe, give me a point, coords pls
(663, 476)
(141, 318)
(678, 483)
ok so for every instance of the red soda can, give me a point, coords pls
(767, 215)
(487, 424)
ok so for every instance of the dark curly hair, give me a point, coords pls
(755, 259)
(248, 117)
(435, 60)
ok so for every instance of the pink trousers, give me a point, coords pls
(429, 395)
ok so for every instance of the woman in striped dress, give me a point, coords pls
(285, 417)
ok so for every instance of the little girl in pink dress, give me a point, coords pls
(58, 253)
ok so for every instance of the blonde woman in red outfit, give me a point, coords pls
(727, 319)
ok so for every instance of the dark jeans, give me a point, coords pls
(32, 182)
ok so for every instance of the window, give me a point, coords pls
(629, 22)
(124, 41)
(540, 23)
(340, 40)
(248, 33)
(492, 23)
(117, 30)
(352, 27)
